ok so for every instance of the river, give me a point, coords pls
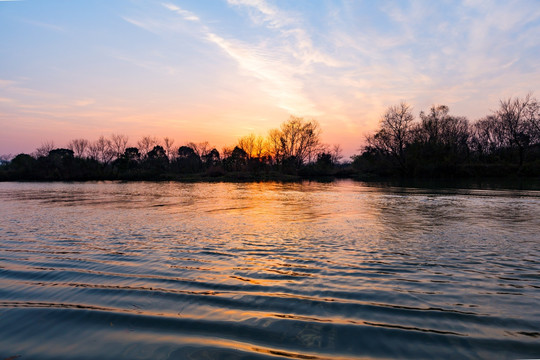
(339, 270)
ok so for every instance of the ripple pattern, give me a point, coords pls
(267, 271)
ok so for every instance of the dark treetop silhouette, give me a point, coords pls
(504, 143)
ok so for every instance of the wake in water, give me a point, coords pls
(301, 271)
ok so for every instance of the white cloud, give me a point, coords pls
(278, 78)
(187, 15)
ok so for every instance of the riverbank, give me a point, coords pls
(486, 183)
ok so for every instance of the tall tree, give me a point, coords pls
(296, 140)
(79, 147)
(201, 148)
(168, 145)
(44, 149)
(119, 144)
(146, 144)
(517, 118)
(394, 133)
(101, 150)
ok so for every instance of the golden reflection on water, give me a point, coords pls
(296, 270)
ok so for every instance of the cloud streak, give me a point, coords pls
(187, 15)
(279, 74)
(251, 63)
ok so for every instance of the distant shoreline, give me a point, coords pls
(474, 182)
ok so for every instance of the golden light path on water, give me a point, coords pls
(341, 270)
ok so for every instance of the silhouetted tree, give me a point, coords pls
(23, 166)
(188, 160)
(324, 161)
(296, 139)
(101, 150)
(201, 149)
(226, 151)
(132, 154)
(487, 136)
(518, 118)
(118, 144)
(44, 149)
(158, 152)
(168, 145)
(58, 164)
(130, 159)
(146, 143)
(237, 161)
(186, 152)
(79, 147)
(336, 153)
(211, 158)
(157, 160)
(394, 133)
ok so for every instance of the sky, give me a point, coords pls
(216, 70)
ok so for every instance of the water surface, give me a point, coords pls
(148, 270)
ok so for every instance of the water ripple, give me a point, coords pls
(265, 271)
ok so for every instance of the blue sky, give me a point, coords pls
(219, 69)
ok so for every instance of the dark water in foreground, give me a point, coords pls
(247, 271)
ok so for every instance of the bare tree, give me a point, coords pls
(247, 143)
(119, 144)
(261, 147)
(101, 150)
(432, 123)
(226, 151)
(394, 133)
(79, 147)
(93, 151)
(169, 150)
(439, 127)
(296, 139)
(255, 146)
(487, 136)
(146, 144)
(532, 118)
(44, 149)
(515, 117)
(397, 122)
(201, 148)
(337, 153)
(274, 144)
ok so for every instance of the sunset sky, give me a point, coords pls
(216, 70)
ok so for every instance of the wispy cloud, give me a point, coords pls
(278, 69)
(249, 63)
(278, 78)
(44, 25)
(146, 25)
(351, 70)
(289, 28)
(5, 83)
(187, 15)
(85, 102)
(264, 13)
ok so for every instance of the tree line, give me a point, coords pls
(437, 144)
(440, 144)
(288, 150)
